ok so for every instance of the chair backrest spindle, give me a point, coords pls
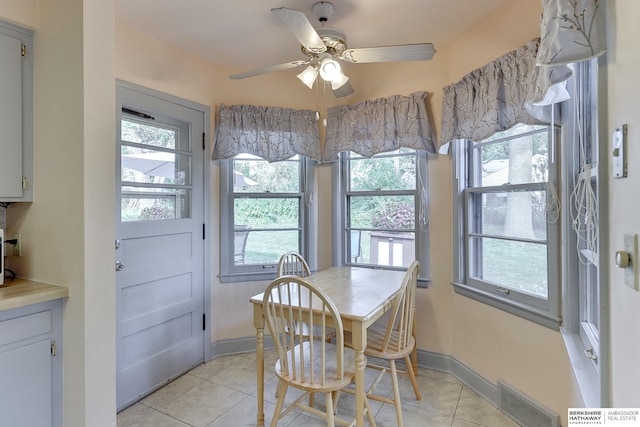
(403, 312)
(287, 302)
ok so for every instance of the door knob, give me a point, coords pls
(119, 266)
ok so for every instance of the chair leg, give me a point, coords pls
(281, 391)
(336, 399)
(396, 392)
(412, 377)
(329, 409)
(372, 421)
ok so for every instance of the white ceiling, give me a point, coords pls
(244, 34)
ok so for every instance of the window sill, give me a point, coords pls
(246, 277)
(583, 370)
(537, 316)
(424, 282)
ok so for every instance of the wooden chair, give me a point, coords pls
(394, 341)
(308, 363)
(293, 264)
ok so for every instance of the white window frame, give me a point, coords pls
(232, 272)
(584, 295)
(545, 312)
(342, 230)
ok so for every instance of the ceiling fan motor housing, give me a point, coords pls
(334, 39)
(323, 10)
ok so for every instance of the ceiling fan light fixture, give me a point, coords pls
(339, 81)
(330, 69)
(308, 76)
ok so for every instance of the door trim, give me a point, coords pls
(206, 112)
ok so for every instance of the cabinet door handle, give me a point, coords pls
(591, 354)
(119, 266)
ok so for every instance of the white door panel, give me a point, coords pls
(160, 249)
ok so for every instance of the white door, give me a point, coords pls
(160, 246)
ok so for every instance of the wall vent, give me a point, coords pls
(523, 409)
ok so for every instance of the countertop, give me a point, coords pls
(18, 292)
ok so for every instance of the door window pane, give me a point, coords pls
(142, 133)
(147, 204)
(155, 171)
(152, 166)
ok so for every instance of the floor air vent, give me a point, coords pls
(524, 410)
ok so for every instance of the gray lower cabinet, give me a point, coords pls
(31, 365)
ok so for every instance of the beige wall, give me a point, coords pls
(493, 343)
(623, 59)
(68, 232)
(24, 12)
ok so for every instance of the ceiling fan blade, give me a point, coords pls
(404, 52)
(344, 90)
(301, 28)
(268, 69)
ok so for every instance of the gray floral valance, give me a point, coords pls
(571, 31)
(492, 98)
(272, 133)
(378, 126)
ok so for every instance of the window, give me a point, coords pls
(584, 178)
(585, 210)
(155, 169)
(383, 211)
(508, 222)
(265, 213)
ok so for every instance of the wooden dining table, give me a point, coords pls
(362, 295)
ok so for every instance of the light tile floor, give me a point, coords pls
(223, 393)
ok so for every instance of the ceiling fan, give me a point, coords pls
(324, 46)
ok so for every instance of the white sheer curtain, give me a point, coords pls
(379, 125)
(272, 133)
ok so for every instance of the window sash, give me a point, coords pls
(235, 272)
(468, 173)
(588, 273)
(344, 226)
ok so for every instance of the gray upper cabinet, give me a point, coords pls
(16, 113)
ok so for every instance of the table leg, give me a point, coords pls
(359, 340)
(360, 391)
(259, 324)
(414, 354)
